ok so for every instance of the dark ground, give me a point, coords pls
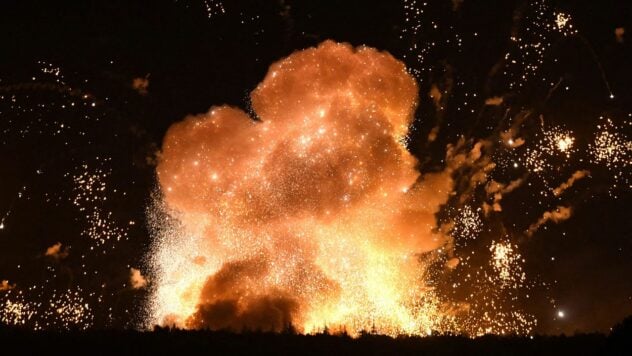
(170, 341)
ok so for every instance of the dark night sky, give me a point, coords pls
(90, 119)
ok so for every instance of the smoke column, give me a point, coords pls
(312, 213)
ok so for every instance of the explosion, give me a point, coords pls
(309, 212)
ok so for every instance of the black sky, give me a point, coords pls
(193, 60)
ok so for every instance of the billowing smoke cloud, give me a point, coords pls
(5, 285)
(494, 101)
(509, 137)
(310, 213)
(619, 33)
(436, 96)
(456, 4)
(569, 183)
(141, 84)
(496, 190)
(136, 279)
(557, 215)
(223, 306)
(475, 161)
(56, 252)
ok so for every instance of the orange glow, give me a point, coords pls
(314, 214)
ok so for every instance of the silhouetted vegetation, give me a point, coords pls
(165, 341)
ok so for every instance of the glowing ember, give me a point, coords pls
(506, 262)
(564, 143)
(563, 24)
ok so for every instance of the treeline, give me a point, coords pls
(167, 341)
